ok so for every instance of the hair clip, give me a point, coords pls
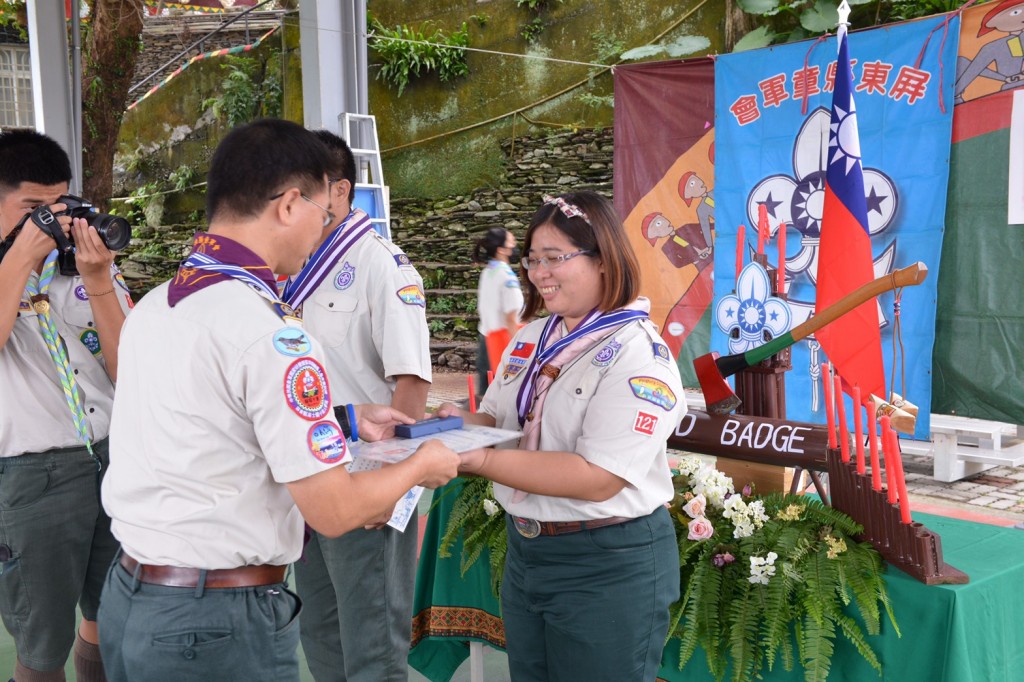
(567, 209)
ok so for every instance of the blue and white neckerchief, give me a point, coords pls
(594, 321)
(344, 237)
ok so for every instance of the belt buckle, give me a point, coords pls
(528, 528)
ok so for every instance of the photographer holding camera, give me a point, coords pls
(62, 304)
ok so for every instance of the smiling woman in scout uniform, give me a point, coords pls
(224, 438)
(592, 562)
(363, 300)
(58, 358)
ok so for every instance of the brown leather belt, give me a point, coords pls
(566, 527)
(178, 576)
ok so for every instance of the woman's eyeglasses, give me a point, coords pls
(552, 262)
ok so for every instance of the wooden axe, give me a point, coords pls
(713, 370)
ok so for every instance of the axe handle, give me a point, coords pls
(904, 277)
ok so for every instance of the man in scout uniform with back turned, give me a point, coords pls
(58, 359)
(363, 300)
(223, 435)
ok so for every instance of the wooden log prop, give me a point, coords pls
(753, 439)
(912, 547)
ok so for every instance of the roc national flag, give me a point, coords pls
(852, 342)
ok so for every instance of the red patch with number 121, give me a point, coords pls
(645, 423)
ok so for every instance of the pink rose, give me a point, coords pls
(695, 507)
(700, 529)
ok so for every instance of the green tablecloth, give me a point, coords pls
(951, 633)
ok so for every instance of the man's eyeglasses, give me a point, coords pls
(552, 262)
(329, 218)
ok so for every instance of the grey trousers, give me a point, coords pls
(357, 590)
(591, 605)
(183, 634)
(56, 547)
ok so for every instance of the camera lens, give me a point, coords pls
(113, 230)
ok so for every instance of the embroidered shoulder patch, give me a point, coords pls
(645, 422)
(523, 349)
(515, 366)
(345, 277)
(401, 259)
(305, 388)
(292, 341)
(512, 284)
(661, 352)
(326, 442)
(119, 280)
(654, 391)
(412, 295)
(90, 338)
(604, 357)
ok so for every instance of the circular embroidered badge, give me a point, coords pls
(91, 340)
(326, 442)
(291, 341)
(345, 277)
(80, 293)
(305, 388)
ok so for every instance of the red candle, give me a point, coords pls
(876, 471)
(781, 288)
(472, 394)
(844, 437)
(890, 482)
(739, 251)
(762, 228)
(830, 416)
(858, 430)
(901, 481)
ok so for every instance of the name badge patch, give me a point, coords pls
(514, 367)
(292, 341)
(326, 442)
(604, 357)
(412, 295)
(654, 391)
(305, 388)
(644, 423)
(345, 277)
(90, 338)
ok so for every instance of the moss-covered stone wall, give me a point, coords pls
(453, 162)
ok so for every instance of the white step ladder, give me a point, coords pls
(360, 131)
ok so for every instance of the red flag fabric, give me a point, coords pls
(852, 342)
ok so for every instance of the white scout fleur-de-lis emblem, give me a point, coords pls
(746, 315)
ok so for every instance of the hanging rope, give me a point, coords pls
(897, 344)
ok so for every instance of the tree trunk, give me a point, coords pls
(737, 24)
(109, 55)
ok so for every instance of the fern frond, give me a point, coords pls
(852, 631)
(743, 616)
(817, 648)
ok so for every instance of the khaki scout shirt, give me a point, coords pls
(615, 405)
(34, 414)
(369, 314)
(219, 404)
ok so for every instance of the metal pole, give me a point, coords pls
(76, 97)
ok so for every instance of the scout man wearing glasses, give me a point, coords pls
(224, 436)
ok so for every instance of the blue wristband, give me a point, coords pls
(350, 409)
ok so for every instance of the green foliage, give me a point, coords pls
(535, 5)
(745, 617)
(407, 53)
(183, 177)
(251, 90)
(480, 19)
(532, 29)
(783, 21)
(440, 304)
(593, 101)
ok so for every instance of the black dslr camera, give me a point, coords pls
(114, 231)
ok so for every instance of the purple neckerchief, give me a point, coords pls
(190, 280)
